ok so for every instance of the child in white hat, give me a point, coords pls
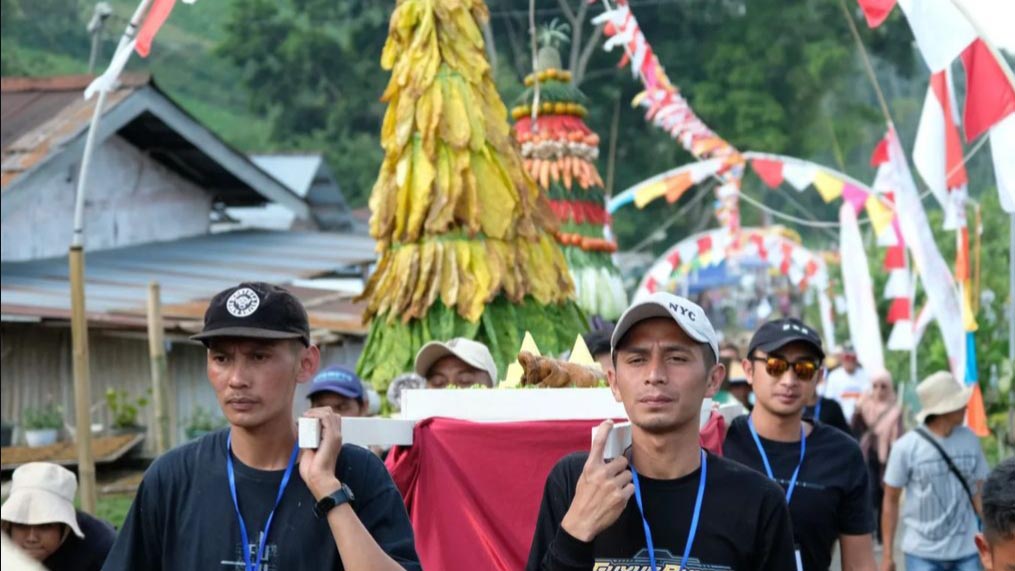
(40, 518)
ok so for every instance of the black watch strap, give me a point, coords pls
(340, 496)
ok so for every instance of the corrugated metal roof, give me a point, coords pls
(295, 171)
(39, 114)
(190, 271)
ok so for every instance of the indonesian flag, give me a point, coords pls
(937, 152)
(156, 15)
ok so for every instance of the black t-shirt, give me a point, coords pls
(183, 516)
(86, 554)
(832, 494)
(831, 414)
(744, 524)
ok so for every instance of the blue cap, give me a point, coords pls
(337, 380)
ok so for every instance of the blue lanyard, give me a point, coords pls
(694, 518)
(817, 407)
(768, 467)
(255, 566)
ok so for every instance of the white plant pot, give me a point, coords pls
(43, 437)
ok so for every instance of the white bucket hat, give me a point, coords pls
(940, 393)
(41, 493)
(474, 353)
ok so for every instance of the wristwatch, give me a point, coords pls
(338, 497)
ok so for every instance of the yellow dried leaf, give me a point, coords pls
(449, 276)
(447, 186)
(497, 199)
(403, 184)
(454, 121)
(434, 284)
(423, 174)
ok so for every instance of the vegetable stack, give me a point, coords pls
(465, 236)
(560, 153)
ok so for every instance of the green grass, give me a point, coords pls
(113, 508)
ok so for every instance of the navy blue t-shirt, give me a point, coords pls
(183, 516)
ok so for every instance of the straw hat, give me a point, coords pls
(940, 393)
(42, 492)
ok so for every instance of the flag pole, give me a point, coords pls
(79, 318)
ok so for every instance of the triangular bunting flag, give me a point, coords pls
(828, 186)
(895, 258)
(769, 171)
(976, 413)
(898, 285)
(677, 186)
(799, 175)
(879, 214)
(854, 196)
(875, 11)
(899, 310)
(901, 337)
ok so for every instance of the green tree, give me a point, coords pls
(310, 66)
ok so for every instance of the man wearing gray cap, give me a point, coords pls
(247, 497)
(665, 502)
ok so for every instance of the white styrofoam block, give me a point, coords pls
(370, 431)
(512, 404)
(618, 440)
(309, 431)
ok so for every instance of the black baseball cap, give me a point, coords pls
(255, 310)
(778, 333)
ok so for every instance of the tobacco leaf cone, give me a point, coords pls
(460, 225)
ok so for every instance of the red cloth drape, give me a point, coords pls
(473, 489)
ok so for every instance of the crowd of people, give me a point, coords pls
(816, 460)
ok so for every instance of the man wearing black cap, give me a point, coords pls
(820, 468)
(235, 499)
(665, 503)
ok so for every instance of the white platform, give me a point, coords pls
(498, 405)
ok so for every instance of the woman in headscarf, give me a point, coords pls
(877, 422)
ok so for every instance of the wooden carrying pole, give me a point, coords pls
(160, 370)
(82, 380)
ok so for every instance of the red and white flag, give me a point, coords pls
(156, 15)
(937, 151)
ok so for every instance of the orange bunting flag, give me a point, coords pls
(677, 186)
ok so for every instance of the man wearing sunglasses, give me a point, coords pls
(820, 468)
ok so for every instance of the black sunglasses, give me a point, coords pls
(776, 366)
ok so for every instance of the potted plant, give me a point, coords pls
(42, 425)
(124, 410)
(201, 422)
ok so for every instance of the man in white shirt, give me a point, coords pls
(846, 383)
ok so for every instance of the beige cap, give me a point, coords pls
(473, 353)
(940, 393)
(42, 492)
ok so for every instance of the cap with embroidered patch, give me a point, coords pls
(255, 310)
(689, 316)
